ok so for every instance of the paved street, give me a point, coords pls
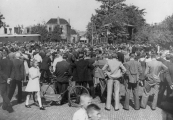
(65, 113)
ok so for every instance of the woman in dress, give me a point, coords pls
(33, 84)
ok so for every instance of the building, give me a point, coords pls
(82, 36)
(66, 28)
(74, 36)
(20, 38)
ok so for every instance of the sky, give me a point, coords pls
(30, 12)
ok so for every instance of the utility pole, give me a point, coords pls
(92, 32)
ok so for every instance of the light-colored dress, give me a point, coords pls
(33, 84)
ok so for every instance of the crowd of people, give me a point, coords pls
(101, 68)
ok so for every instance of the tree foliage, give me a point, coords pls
(56, 34)
(41, 29)
(161, 34)
(112, 19)
(1, 22)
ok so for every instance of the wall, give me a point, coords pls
(2, 31)
(66, 30)
(19, 38)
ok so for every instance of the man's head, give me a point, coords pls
(153, 56)
(114, 56)
(4, 54)
(93, 112)
(17, 56)
(65, 56)
(85, 100)
(132, 55)
(81, 55)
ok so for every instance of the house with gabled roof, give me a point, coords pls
(64, 24)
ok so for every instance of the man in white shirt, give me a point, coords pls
(57, 59)
(81, 114)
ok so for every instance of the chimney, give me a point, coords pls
(58, 20)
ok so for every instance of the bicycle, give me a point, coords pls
(49, 93)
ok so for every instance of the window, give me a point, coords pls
(50, 29)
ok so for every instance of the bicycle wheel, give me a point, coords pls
(74, 95)
(47, 90)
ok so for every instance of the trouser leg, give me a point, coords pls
(135, 90)
(145, 95)
(161, 92)
(65, 95)
(58, 87)
(91, 86)
(156, 91)
(3, 91)
(127, 95)
(19, 83)
(109, 93)
(12, 89)
(116, 92)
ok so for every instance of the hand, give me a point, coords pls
(171, 87)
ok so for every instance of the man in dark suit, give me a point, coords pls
(18, 76)
(63, 73)
(134, 69)
(82, 73)
(6, 72)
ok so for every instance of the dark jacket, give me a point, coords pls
(45, 63)
(62, 71)
(82, 71)
(18, 70)
(6, 68)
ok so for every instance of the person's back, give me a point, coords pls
(6, 66)
(45, 63)
(18, 69)
(62, 71)
(153, 69)
(114, 65)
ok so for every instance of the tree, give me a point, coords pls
(1, 22)
(56, 34)
(40, 29)
(113, 17)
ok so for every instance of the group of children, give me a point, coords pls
(88, 111)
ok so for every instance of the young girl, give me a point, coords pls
(33, 84)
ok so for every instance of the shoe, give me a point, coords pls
(107, 109)
(137, 109)
(27, 106)
(42, 108)
(10, 109)
(117, 109)
(126, 109)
